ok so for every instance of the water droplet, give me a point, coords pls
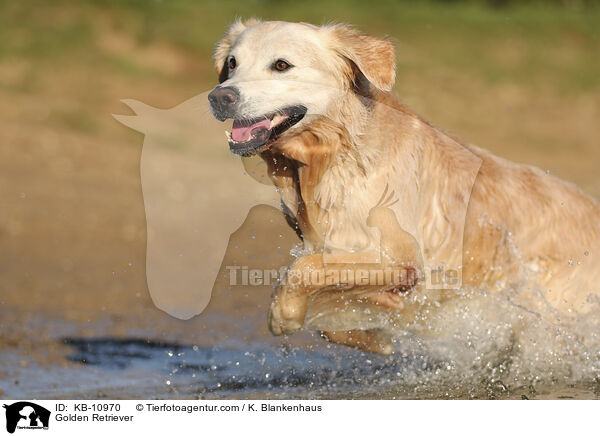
(587, 253)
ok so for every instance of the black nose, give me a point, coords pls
(224, 101)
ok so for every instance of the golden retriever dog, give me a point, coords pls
(369, 185)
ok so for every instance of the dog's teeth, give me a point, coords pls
(276, 119)
(228, 135)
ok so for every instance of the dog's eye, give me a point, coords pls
(281, 65)
(232, 63)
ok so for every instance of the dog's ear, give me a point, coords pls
(225, 44)
(374, 57)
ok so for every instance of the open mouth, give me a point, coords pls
(248, 137)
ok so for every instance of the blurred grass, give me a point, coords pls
(522, 41)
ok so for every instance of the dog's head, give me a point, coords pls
(275, 77)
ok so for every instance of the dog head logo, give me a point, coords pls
(196, 194)
(26, 415)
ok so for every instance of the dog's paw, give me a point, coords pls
(285, 319)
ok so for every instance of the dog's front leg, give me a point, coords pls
(290, 299)
(310, 274)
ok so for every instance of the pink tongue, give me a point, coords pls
(241, 132)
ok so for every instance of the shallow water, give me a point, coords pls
(135, 368)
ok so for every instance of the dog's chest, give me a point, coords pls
(330, 213)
